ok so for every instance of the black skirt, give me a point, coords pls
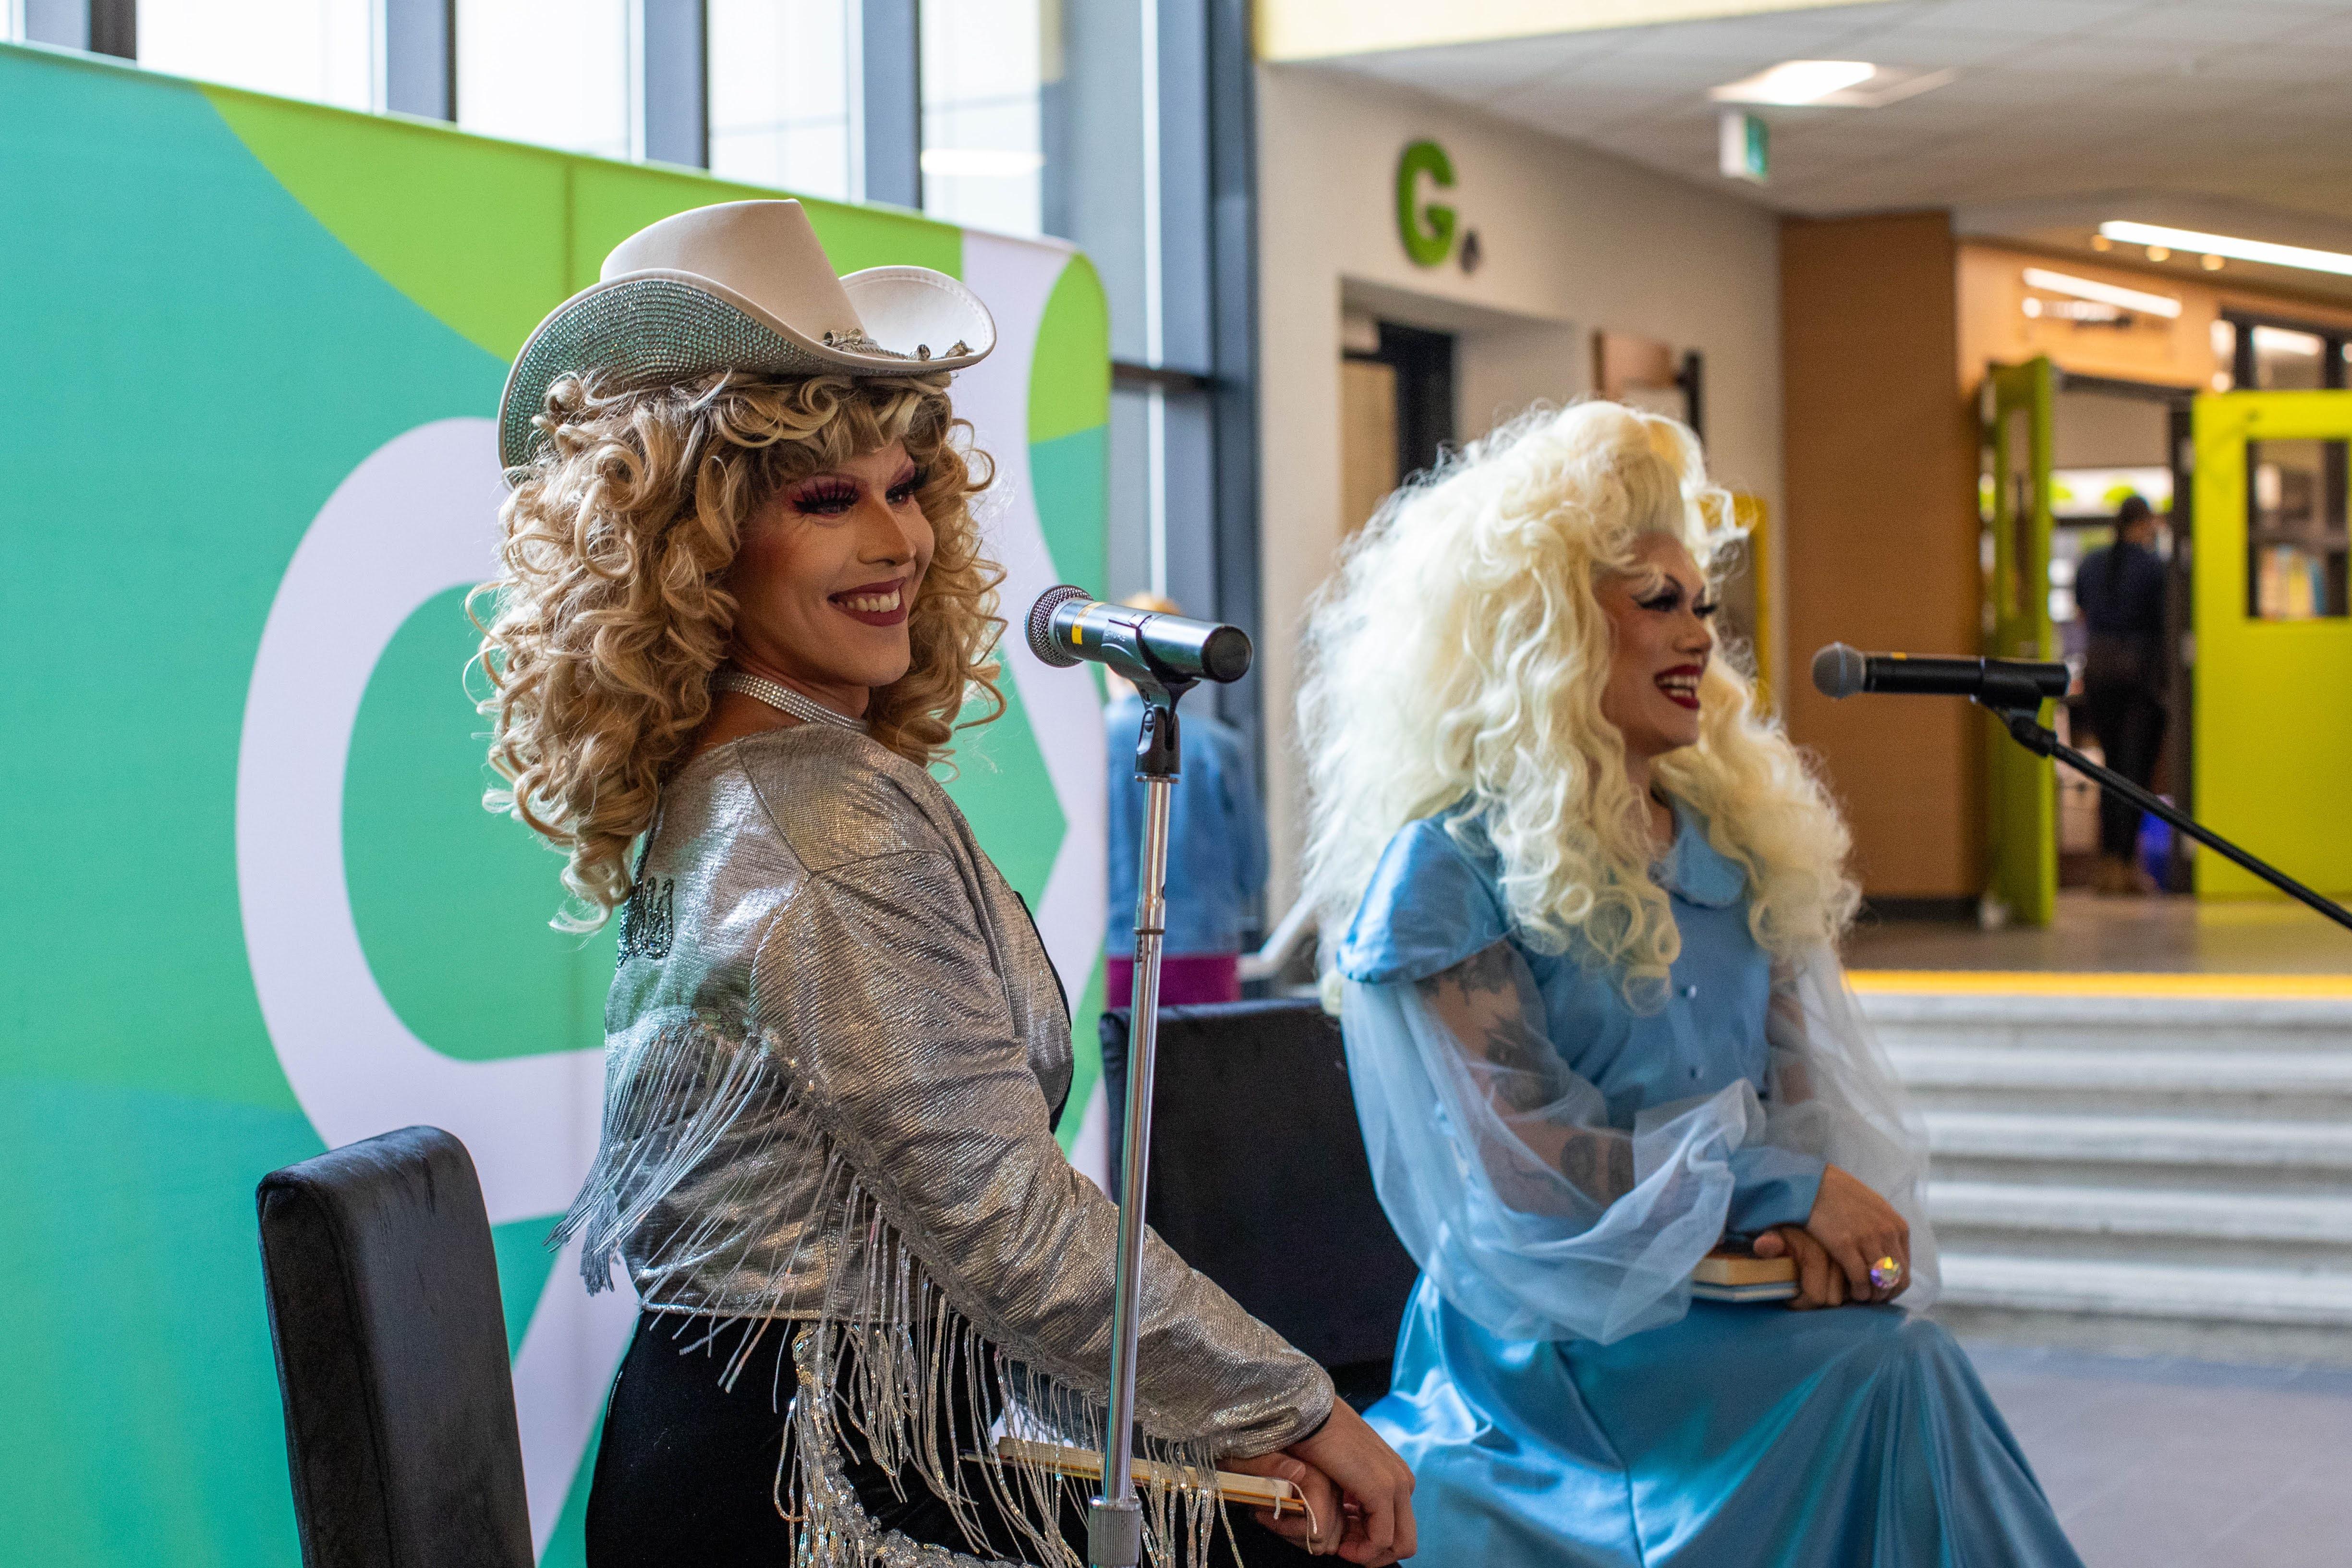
(691, 1471)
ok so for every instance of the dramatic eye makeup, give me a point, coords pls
(1668, 597)
(904, 491)
(824, 497)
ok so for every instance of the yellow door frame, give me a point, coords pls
(2273, 729)
(2021, 797)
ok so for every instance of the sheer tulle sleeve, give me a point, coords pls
(1833, 1095)
(1499, 1168)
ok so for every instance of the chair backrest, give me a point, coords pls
(392, 1358)
(1259, 1179)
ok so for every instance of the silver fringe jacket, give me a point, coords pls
(833, 1048)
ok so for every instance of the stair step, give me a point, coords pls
(2148, 1289)
(2320, 1074)
(2195, 1028)
(2312, 1017)
(2143, 1211)
(2143, 1140)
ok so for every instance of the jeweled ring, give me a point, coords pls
(1885, 1273)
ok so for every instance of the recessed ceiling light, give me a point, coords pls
(2158, 238)
(2104, 293)
(1842, 84)
(1796, 81)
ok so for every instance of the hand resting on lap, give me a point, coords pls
(1851, 1228)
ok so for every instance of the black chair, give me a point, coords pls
(392, 1358)
(1259, 1180)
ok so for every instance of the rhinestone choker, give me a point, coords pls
(760, 689)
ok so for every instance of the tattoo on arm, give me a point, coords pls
(1486, 1001)
(1481, 1002)
(1599, 1162)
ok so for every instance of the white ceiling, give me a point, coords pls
(2198, 109)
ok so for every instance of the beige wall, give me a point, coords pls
(1572, 241)
(1881, 547)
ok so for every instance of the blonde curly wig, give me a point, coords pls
(1458, 658)
(608, 616)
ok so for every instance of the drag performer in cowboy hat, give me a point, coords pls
(741, 605)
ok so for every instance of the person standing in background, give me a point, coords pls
(1216, 850)
(2120, 590)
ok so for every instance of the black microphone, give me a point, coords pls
(1067, 625)
(1841, 671)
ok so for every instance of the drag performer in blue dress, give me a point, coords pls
(1585, 899)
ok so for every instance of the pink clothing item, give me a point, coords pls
(1186, 979)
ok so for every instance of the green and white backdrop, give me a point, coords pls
(255, 908)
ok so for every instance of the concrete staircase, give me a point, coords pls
(2165, 1176)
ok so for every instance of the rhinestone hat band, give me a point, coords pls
(760, 689)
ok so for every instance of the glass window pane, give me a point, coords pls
(321, 50)
(557, 72)
(64, 24)
(2296, 530)
(1188, 502)
(1092, 120)
(780, 98)
(982, 65)
(1127, 561)
(2287, 361)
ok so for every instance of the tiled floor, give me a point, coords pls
(2177, 1464)
(2090, 932)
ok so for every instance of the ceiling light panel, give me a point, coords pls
(1829, 84)
(2231, 246)
(2051, 282)
(1795, 82)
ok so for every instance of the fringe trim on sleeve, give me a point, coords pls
(687, 1106)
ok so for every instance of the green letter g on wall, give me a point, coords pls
(1427, 232)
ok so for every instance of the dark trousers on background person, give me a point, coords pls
(2127, 716)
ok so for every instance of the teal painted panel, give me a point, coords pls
(1071, 479)
(1001, 780)
(452, 903)
(208, 365)
(141, 1398)
(204, 363)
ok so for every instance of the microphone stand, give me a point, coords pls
(1114, 1518)
(2018, 705)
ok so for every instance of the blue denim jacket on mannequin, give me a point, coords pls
(1216, 835)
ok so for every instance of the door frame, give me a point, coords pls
(2022, 789)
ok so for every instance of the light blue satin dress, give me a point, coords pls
(1736, 1436)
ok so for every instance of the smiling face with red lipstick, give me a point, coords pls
(825, 577)
(1660, 641)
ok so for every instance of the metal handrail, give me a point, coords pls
(1276, 951)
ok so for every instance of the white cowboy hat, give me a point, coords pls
(739, 286)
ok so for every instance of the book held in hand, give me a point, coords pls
(1085, 1463)
(1736, 1274)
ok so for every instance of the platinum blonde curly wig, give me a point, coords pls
(609, 612)
(1458, 658)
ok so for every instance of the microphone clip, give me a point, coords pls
(1159, 686)
(2008, 690)
(1159, 745)
(2014, 698)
